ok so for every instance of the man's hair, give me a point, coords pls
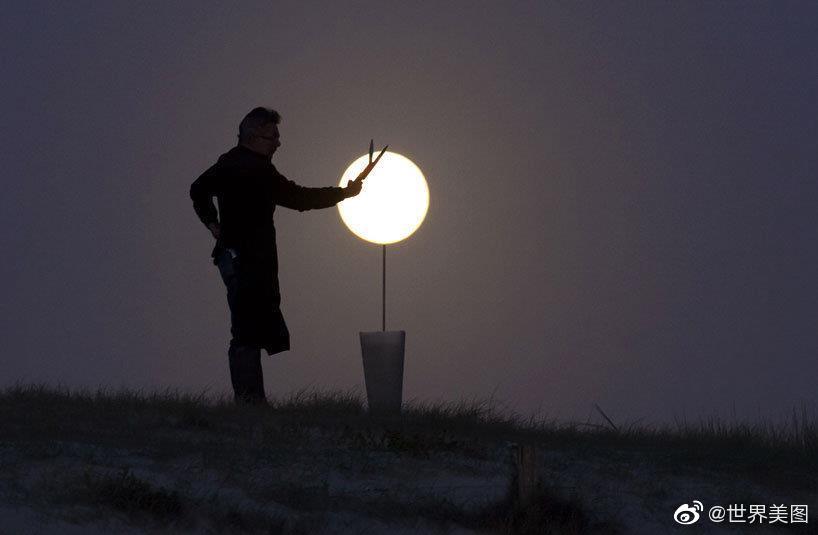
(257, 118)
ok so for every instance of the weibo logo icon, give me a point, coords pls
(686, 514)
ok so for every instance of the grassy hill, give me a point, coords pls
(136, 462)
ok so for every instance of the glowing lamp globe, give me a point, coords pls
(392, 203)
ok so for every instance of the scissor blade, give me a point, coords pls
(371, 165)
(379, 156)
(371, 148)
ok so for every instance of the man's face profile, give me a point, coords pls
(267, 139)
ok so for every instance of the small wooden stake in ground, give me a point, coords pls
(527, 475)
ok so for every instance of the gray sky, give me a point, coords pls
(623, 197)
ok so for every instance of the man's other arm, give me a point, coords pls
(202, 192)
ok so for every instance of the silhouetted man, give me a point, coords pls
(248, 188)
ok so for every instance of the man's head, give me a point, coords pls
(258, 131)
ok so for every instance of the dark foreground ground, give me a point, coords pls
(135, 462)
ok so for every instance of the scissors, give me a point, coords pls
(371, 163)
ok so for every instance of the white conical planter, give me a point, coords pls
(383, 370)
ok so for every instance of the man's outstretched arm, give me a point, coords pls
(290, 195)
(202, 192)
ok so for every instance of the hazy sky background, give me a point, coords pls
(623, 197)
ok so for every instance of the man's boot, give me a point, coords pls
(246, 374)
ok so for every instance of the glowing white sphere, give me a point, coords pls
(392, 203)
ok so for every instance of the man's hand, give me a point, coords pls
(215, 229)
(353, 187)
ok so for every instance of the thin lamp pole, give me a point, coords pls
(383, 294)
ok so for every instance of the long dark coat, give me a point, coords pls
(248, 188)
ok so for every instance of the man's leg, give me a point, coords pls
(246, 373)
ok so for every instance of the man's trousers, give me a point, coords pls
(244, 354)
